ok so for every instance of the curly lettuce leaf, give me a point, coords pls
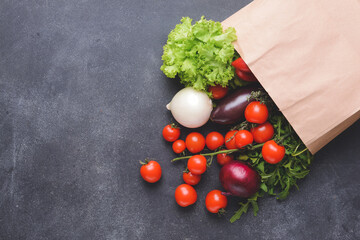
(200, 54)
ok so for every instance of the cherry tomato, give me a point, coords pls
(256, 112)
(249, 77)
(197, 164)
(195, 142)
(241, 65)
(214, 140)
(171, 133)
(263, 132)
(230, 139)
(215, 201)
(223, 158)
(272, 152)
(191, 179)
(218, 91)
(243, 138)
(151, 171)
(185, 195)
(178, 146)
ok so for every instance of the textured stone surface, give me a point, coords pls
(82, 100)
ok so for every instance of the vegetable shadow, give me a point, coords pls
(153, 186)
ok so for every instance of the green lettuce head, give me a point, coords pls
(200, 54)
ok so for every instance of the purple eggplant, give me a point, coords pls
(231, 109)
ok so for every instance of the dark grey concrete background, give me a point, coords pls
(82, 100)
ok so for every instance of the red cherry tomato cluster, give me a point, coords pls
(194, 142)
(262, 133)
(185, 194)
(256, 113)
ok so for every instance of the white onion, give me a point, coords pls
(190, 108)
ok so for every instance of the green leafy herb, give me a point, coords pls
(200, 54)
(245, 206)
(278, 179)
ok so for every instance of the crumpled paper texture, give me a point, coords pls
(306, 55)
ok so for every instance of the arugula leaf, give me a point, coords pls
(245, 206)
(200, 54)
(243, 209)
(263, 187)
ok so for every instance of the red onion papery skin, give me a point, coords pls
(239, 179)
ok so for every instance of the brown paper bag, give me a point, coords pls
(306, 55)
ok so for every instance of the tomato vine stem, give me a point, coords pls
(296, 154)
(218, 152)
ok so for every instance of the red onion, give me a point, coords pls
(239, 179)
